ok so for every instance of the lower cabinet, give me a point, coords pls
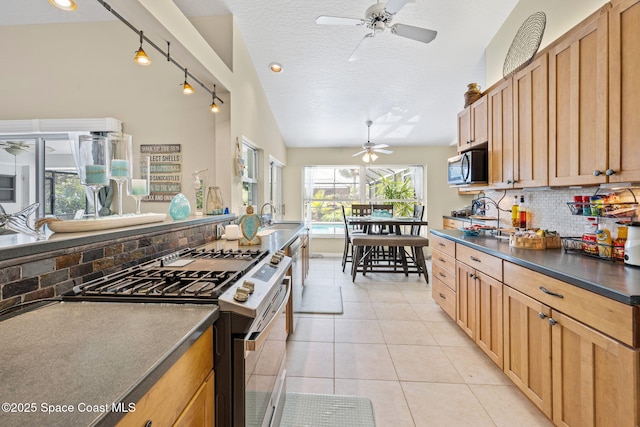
(479, 310)
(575, 374)
(183, 396)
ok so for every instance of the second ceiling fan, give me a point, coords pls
(369, 149)
(377, 18)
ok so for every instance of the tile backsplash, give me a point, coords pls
(549, 209)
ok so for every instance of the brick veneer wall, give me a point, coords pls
(54, 273)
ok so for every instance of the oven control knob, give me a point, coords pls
(275, 259)
(250, 286)
(242, 294)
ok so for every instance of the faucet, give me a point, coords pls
(270, 218)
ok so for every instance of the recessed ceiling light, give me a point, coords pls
(67, 5)
(275, 67)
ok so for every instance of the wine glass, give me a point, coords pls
(92, 159)
(121, 156)
(138, 185)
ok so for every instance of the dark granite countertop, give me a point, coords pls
(16, 245)
(617, 281)
(87, 353)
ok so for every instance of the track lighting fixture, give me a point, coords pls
(187, 89)
(141, 57)
(214, 107)
(67, 5)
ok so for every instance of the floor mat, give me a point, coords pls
(320, 299)
(327, 410)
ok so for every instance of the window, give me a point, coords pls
(328, 188)
(63, 194)
(275, 188)
(250, 175)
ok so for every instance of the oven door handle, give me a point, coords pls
(255, 343)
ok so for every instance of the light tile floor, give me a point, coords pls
(394, 345)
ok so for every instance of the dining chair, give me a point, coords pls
(347, 255)
(361, 210)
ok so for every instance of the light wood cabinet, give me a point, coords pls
(518, 128)
(530, 124)
(578, 94)
(183, 394)
(443, 273)
(452, 224)
(479, 300)
(472, 125)
(624, 91)
(576, 374)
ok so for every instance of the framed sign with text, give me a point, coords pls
(166, 171)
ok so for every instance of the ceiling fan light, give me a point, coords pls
(373, 157)
(68, 5)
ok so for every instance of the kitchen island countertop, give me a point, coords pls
(613, 280)
(83, 354)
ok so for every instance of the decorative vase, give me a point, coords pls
(179, 208)
(472, 95)
(214, 201)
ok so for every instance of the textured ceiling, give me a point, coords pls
(410, 90)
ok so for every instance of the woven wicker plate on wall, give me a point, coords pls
(525, 44)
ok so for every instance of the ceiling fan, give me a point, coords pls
(18, 147)
(369, 149)
(377, 18)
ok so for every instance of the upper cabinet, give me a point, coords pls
(578, 105)
(624, 92)
(472, 125)
(518, 131)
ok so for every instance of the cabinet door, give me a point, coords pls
(500, 100)
(200, 410)
(624, 91)
(530, 124)
(578, 105)
(488, 324)
(464, 129)
(595, 378)
(479, 134)
(465, 298)
(527, 347)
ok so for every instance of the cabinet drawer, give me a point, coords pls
(445, 276)
(444, 297)
(443, 260)
(452, 224)
(486, 263)
(610, 317)
(168, 397)
(446, 246)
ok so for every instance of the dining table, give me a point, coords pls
(394, 224)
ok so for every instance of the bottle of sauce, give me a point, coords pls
(522, 213)
(515, 218)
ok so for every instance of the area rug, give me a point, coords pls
(320, 299)
(327, 410)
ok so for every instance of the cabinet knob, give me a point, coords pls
(509, 181)
(552, 322)
(597, 173)
(148, 423)
(473, 276)
(542, 315)
(610, 172)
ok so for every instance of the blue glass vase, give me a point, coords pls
(179, 208)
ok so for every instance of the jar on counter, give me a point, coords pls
(618, 243)
(589, 238)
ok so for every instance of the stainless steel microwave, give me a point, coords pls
(469, 167)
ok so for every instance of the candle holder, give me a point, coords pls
(121, 159)
(139, 184)
(92, 159)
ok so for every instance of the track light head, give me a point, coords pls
(141, 57)
(214, 107)
(187, 89)
(68, 5)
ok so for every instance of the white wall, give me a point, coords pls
(561, 17)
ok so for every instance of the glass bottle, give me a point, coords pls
(522, 213)
(515, 218)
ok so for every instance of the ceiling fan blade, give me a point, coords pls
(359, 152)
(380, 146)
(394, 6)
(415, 33)
(336, 20)
(358, 50)
(378, 150)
